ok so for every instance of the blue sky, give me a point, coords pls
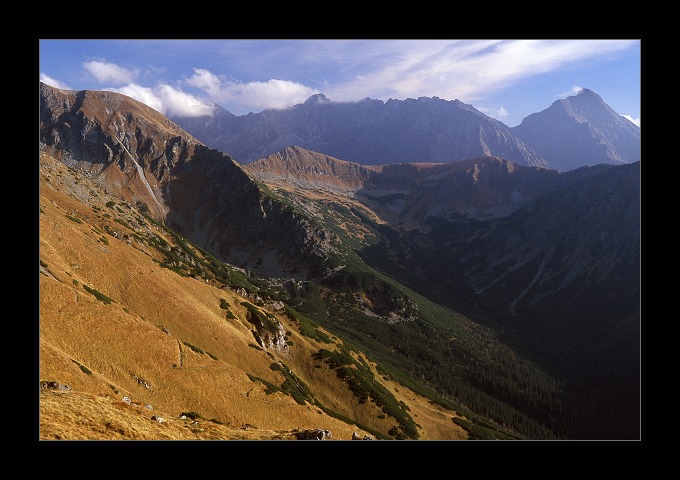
(505, 79)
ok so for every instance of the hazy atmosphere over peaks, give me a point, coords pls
(506, 79)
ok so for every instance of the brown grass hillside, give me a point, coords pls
(114, 323)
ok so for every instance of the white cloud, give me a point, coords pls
(145, 95)
(575, 90)
(497, 113)
(206, 81)
(167, 100)
(466, 70)
(636, 121)
(52, 82)
(105, 72)
(253, 96)
(177, 103)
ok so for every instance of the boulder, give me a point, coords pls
(158, 419)
(52, 385)
(314, 434)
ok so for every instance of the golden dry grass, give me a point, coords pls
(137, 345)
(84, 416)
(435, 422)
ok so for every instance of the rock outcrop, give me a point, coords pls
(53, 385)
(268, 332)
(314, 434)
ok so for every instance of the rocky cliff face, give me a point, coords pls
(581, 130)
(130, 147)
(137, 154)
(368, 132)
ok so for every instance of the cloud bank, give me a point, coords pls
(168, 100)
(253, 96)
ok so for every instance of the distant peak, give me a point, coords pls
(317, 99)
(291, 150)
(585, 92)
(587, 97)
(584, 97)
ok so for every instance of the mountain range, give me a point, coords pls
(302, 292)
(576, 131)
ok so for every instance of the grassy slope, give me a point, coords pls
(126, 342)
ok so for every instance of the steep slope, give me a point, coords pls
(137, 154)
(368, 132)
(549, 259)
(136, 324)
(581, 130)
(596, 233)
(559, 276)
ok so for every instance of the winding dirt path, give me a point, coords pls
(181, 354)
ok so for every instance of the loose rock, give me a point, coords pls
(315, 434)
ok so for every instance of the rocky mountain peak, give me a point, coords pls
(589, 107)
(586, 92)
(317, 99)
(580, 130)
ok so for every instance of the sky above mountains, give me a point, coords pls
(505, 79)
